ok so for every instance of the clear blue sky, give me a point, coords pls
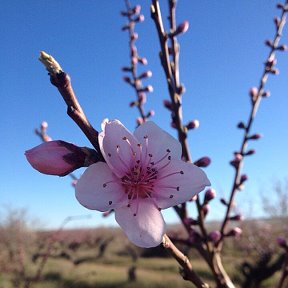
(222, 56)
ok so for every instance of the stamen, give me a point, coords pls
(161, 159)
(112, 181)
(121, 160)
(171, 174)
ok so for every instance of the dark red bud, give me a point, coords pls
(250, 152)
(243, 178)
(194, 124)
(255, 136)
(168, 104)
(241, 125)
(203, 162)
(210, 194)
(282, 48)
(182, 28)
(223, 201)
(269, 43)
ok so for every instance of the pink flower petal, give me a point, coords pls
(178, 182)
(158, 141)
(118, 147)
(147, 228)
(99, 189)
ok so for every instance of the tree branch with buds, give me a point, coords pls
(62, 81)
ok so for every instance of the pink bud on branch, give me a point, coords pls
(194, 124)
(59, 157)
(214, 236)
(210, 194)
(203, 162)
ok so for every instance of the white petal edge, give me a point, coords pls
(191, 182)
(158, 141)
(109, 139)
(147, 228)
(91, 193)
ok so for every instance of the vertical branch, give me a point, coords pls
(133, 15)
(256, 96)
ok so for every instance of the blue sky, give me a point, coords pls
(222, 56)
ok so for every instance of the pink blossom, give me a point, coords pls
(56, 158)
(143, 174)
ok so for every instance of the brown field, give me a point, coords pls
(103, 257)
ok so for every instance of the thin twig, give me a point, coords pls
(255, 100)
(63, 82)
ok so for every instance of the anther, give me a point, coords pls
(104, 185)
(181, 172)
(124, 138)
(110, 202)
(171, 196)
(178, 188)
(109, 154)
(168, 150)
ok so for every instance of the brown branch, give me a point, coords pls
(171, 69)
(187, 270)
(136, 80)
(63, 82)
(255, 100)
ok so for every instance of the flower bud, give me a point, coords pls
(128, 80)
(142, 98)
(214, 236)
(44, 125)
(134, 36)
(235, 232)
(266, 94)
(150, 113)
(182, 28)
(140, 18)
(223, 201)
(146, 74)
(126, 69)
(274, 71)
(241, 125)
(255, 136)
(56, 158)
(139, 121)
(269, 43)
(282, 242)
(143, 61)
(253, 92)
(277, 21)
(203, 162)
(205, 209)
(167, 104)
(74, 182)
(250, 152)
(282, 48)
(194, 124)
(136, 9)
(243, 178)
(237, 217)
(209, 195)
(280, 6)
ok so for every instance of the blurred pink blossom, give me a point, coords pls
(143, 174)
